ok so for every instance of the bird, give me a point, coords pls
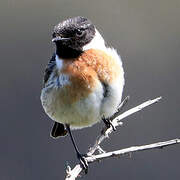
(83, 81)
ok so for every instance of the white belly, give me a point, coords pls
(82, 113)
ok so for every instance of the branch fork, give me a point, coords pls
(116, 119)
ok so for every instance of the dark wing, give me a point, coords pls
(58, 130)
(49, 68)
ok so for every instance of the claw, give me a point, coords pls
(108, 123)
(83, 162)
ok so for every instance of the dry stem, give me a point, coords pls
(117, 117)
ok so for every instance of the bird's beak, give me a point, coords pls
(58, 38)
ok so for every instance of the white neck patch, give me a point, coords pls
(59, 62)
(96, 43)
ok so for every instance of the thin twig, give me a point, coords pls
(117, 117)
(121, 106)
(121, 152)
(117, 122)
(73, 174)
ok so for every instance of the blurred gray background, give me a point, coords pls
(145, 33)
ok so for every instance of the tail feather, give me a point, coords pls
(58, 130)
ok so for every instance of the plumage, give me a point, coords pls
(49, 69)
(83, 81)
(58, 130)
(81, 88)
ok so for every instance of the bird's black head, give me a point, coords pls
(71, 35)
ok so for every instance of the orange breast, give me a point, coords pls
(86, 71)
(106, 68)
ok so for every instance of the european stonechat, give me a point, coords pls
(83, 81)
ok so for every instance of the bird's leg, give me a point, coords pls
(81, 157)
(108, 123)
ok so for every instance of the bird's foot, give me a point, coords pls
(108, 123)
(83, 162)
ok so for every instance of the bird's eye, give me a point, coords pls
(80, 32)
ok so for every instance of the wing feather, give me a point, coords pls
(49, 69)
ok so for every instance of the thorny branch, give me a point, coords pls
(116, 121)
